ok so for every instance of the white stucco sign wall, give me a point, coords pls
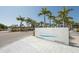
(53, 34)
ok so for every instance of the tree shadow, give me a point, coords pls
(73, 44)
(71, 38)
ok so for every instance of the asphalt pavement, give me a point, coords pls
(9, 37)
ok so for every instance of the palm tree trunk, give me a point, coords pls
(57, 25)
(63, 23)
(44, 21)
(34, 32)
(50, 22)
(41, 24)
(33, 29)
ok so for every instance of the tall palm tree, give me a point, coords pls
(44, 12)
(63, 14)
(21, 19)
(51, 18)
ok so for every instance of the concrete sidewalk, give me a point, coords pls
(32, 44)
(74, 39)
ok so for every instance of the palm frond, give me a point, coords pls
(40, 14)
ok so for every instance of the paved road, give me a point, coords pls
(9, 37)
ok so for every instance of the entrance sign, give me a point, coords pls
(60, 35)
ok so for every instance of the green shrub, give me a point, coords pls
(77, 29)
(2, 27)
(16, 29)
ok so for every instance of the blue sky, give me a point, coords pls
(8, 14)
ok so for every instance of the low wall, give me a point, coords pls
(60, 35)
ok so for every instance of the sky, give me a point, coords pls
(8, 14)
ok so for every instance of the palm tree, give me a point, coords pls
(44, 12)
(63, 14)
(28, 21)
(56, 21)
(70, 24)
(50, 17)
(21, 19)
(31, 22)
